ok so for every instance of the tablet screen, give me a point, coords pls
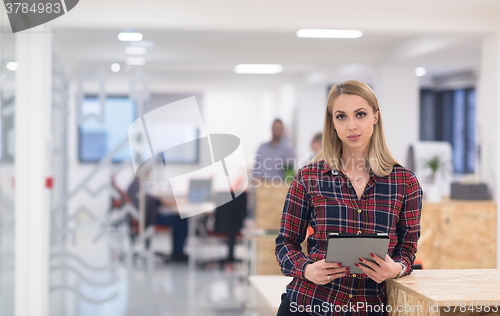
(346, 248)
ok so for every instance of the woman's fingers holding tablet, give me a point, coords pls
(381, 269)
(322, 272)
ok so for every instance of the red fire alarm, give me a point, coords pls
(49, 183)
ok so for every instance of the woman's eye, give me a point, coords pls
(361, 114)
(340, 117)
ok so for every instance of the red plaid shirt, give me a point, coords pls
(327, 201)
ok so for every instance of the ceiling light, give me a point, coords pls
(130, 36)
(258, 68)
(132, 50)
(135, 61)
(115, 67)
(420, 71)
(12, 65)
(324, 33)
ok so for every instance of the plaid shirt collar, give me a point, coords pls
(325, 168)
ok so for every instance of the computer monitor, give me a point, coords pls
(200, 190)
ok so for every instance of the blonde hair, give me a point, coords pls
(379, 157)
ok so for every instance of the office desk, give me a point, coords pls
(193, 223)
(437, 292)
(269, 289)
(423, 293)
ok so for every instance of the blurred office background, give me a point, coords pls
(70, 89)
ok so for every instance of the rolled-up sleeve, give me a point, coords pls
(294, 221)
(408, 227)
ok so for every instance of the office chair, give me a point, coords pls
(228, 222)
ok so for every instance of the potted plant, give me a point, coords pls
(435, 164)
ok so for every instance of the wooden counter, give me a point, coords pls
(423, 293)
(437, 292)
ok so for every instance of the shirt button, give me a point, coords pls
(359, 211)
(350, 295)
(354, 275)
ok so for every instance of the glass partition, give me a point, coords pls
(7, 111)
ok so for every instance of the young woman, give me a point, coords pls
(354, 185)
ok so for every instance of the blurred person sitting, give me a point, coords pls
(160, 212)
(275, 157)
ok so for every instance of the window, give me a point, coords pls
(105, 128)
(450, 116)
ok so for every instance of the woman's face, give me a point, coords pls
(353, 119)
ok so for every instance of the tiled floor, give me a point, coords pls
(102, 278)
(174, 290)
(98, 276)
(6, 269)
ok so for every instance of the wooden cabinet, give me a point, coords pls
(458, 235)
(265, 259)
(269, 202)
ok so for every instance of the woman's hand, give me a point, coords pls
(322, 272)
(380, 271)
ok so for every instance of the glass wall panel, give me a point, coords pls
(7, 111)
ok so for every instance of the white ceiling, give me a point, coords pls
(200, 41)
(394, 16)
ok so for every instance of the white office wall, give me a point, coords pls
(286, 109)
(397, 90)
(487, 118)
(488, 101)
(311, 102)
(247, 114)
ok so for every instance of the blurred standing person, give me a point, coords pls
(316, 144)
(274, 158)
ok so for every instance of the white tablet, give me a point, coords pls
(346, 248)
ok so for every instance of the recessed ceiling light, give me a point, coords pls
(130, 36)
(132, 50)
(12, 65)
(325, 33)
(115, 67)
(420, 71)
(135, 61)
(258, 68)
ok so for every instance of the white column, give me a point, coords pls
(487, 118)
(33, 112)
(397, 90)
